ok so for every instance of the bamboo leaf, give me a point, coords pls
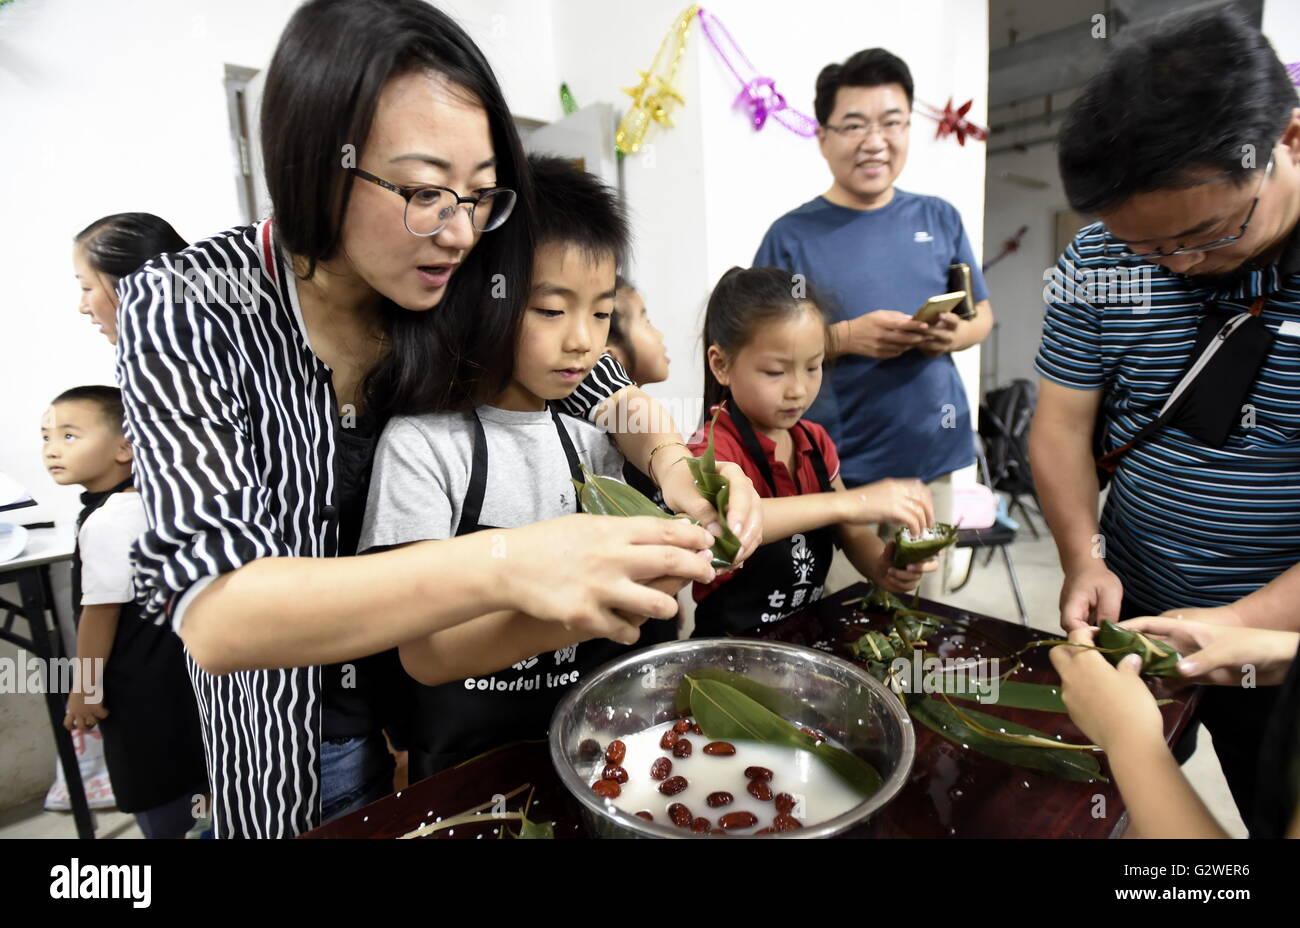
(768, 697)
(725, 714)
(1014, 695)
(941, 718)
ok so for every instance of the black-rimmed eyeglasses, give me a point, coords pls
(1119, 249)
(429, 208)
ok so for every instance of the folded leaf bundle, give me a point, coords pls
(1158, 658)
(909, 550)
(713, 487)
(605, 496)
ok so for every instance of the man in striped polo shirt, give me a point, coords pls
(1186, 146)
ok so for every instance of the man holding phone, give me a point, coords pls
(893, 404)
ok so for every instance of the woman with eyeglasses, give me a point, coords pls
(259, 365)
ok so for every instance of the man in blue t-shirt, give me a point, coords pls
(893, 402)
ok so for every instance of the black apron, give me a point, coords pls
(459, 720)
(780, 577)
(153, 746)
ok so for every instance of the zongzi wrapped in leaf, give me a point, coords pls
(909, 550)
(1159, 659)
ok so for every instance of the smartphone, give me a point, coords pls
(942, 303)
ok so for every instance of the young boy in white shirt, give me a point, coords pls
(145, 705)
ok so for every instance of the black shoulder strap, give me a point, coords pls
(471, 509)
(1109, 461)
(818, 462)
(750, 441)
(575, 467)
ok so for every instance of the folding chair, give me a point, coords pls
(999, 536)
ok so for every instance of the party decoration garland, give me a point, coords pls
(654, 97)
(953, 122)
(758, 94)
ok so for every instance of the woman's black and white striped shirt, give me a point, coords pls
(232, 417)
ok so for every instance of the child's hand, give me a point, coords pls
(1218, 654)
(903, 501)
(1111, 705)
(900, 579)
(744, 512)
(83, 715)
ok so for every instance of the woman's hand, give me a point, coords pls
(1222, 654)
(583, 570)
(744, 514)
(1111, 705)
(905, 502)
(900, 579)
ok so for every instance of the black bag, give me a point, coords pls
(1208, 401)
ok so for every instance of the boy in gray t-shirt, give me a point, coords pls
(506, 464)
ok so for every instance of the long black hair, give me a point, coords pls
(117, 245)
(322, 89)
(744, 300)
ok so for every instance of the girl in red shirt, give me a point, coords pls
(766, 338)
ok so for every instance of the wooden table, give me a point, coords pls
(31, 572)
(951, 792)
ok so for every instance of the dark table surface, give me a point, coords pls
(951, 791)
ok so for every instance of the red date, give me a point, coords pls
(738, 820)
(769, 830)
(700, 825)
(784, 803)
(614, 772)
(589, 749)
(719, 799)
(672, 786)
(759, 790)
(813, 734)
(680, 815)
(606, 789)
(786, 823)
(720, 748)
(758, 773)
(616, 751)
(660, 769)
(682, 748)
(682, 726)
(645, 814)
(697, 729)
(669, 739)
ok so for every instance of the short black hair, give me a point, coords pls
(108, 399)
(1193, 92)
(576, 208)
(870, 67)
(618, 336)
(119, 244)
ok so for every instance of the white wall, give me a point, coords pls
(1017, 280)
(704, 193)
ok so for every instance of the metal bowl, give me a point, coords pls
(626, 696)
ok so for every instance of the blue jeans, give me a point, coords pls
(354, 773)
(169, 820)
